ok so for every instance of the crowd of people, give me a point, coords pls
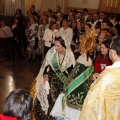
(77, 80)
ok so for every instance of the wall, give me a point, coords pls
(84, 3)
(8, 7)
(37, 5)
(2, 7)
(28, 3)
(110, 6)
(45, 4)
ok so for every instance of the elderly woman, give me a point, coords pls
(49, 83)
(66, 32)
(44, 25)
(31, 34)
(49, 36)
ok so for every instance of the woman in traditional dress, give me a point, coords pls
(69, 103)
(49, 83)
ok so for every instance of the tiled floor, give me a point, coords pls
(16, 74)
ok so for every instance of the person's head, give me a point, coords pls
(88, 27)
(18, 21)
(102, 15)
(60, 44)
(90, 16)
(59, 16)
(53, 18)
(78, 25)
(53, 25)
(81, 35)
(72, 16)
(18, 12)
(97, 30)
(75, 11)
(85, 11)
(80, 15)
(32, 19)
(105, 24)
(96, 16)
(58, 9)
(69, 11)
(101, 37)
(104, 48)
(65, 23)
(32, 8)
(2, 23)
(81, 26)
(107, 32)
(73, 24)
(44, 20)
(18, 104)
(42, 13)
(117, 19)
(29, 13)
(49, 12)
(107, 37)
(114, 50)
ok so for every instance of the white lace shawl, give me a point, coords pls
(83, 60)
(40, 89)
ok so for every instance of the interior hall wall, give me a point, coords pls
(110, 6)
(93, 4)
(2, 7)
(38, 5)
(28, 3)
(45, 4)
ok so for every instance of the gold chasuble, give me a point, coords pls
(103, 99)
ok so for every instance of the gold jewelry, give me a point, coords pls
(87, 43)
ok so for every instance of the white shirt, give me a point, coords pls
(5, 32)
(49, 36)
(67, 34)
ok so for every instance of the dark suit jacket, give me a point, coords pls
(117, 26)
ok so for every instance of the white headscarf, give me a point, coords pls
(66, 42)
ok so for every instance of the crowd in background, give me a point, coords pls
(37, 32)
(40, 31)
